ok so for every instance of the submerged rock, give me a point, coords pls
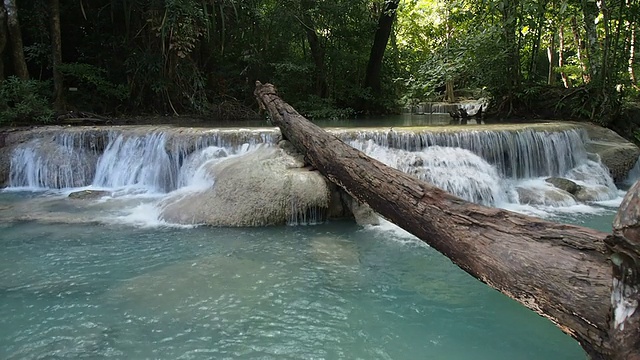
(89, 194)
(593, 193)
(363, 214)
(549, 196)
(269, 186)
(563, 184)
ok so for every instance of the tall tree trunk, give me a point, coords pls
(593, 56)
(551, 55)
(580, 50)
(619, 48)
(603, 66)
(317, 50)
(535, 48)
(563, 272)
(563, 74)
(632, 57)
(372, 77)
(509, 25)
(56, 52)
(15, 38)
(3, 39)
(450, 95)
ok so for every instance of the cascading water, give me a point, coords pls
(52, 163)
(140, 161)
(490, 167)
(455, 170)
(516, 154)
(126, 292)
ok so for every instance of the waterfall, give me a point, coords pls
(139, 161)
(146, 158)
(516, 154)
(52, 163)
(482, 165)
(455, 170)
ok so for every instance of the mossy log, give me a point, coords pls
(562, 272)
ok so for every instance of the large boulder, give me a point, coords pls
(619, 160)
(593, 193)
(615, 152)
(269, 186)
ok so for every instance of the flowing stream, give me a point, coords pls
(107, 278)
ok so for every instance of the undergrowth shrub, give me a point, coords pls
(25, 101)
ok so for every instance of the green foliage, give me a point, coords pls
(94, 91)
(92, 79)
(24, 101)
(316, 107)
(200, 56)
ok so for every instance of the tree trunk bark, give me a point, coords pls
(385, 25)
(560, 271)
(593, 56)
(535, 46)
(317, 51)
(580, 50)
(3, 39)
(624, 246)
(56, 52)
(511, 43)
(565, 79)
(450, 95)
(15, 38)
(632, 57)
(551, 55)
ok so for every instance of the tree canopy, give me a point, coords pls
(328, 58)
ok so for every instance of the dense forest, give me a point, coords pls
(569, 58)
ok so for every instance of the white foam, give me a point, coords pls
(545, 211)
(145, 215)
(395, 233)
(613, 203)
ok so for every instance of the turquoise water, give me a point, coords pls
(332, 291)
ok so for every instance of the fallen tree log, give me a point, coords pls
(560, 271)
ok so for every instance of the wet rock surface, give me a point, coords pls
(615, 152)
(269, 186)
(563, 184)
(89, 194)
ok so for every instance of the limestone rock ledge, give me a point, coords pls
(615, 152)
(269, 186)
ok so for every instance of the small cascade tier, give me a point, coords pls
(483, 164)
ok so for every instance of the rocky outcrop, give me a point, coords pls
(615, 152)
(563, 184)
(582, 193)
(619, 159)
(592, 193)
(549, 196)
(5, 166)
(269, 186)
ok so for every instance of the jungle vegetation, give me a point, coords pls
(574, 59)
